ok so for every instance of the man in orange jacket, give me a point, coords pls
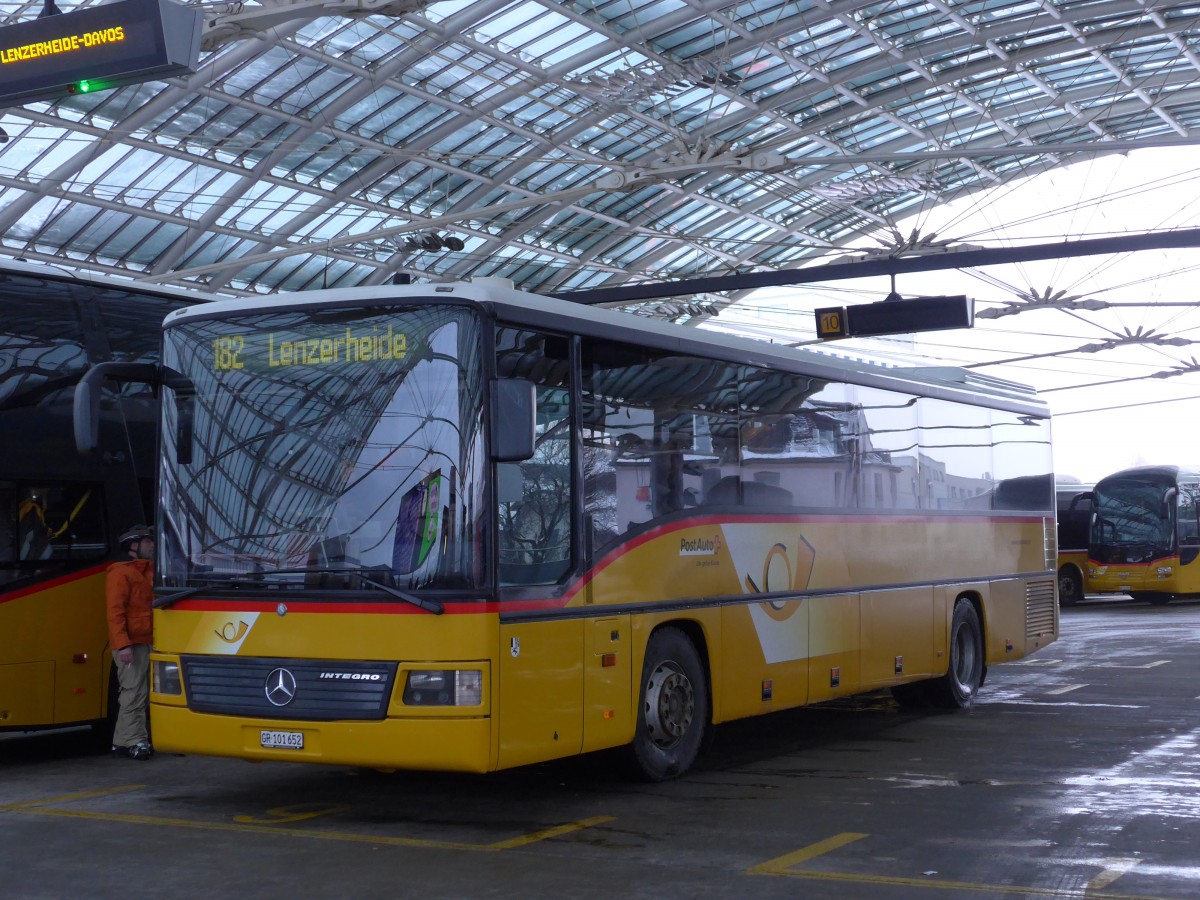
(130, 597)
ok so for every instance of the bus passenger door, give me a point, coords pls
(539, 695)
(540, 689)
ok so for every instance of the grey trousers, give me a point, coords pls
(132, 721)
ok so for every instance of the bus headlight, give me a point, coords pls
(444, 687)
(166, 678)
(1165, 571)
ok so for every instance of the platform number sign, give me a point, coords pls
(831, 322)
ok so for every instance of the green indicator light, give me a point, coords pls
(84, 87)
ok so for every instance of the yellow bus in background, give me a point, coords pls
(1074, 507)
(1145, 533)
(461, 527)
(60, 512)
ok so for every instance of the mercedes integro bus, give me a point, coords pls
(462, 527)
(1145, 533)
(60, 512)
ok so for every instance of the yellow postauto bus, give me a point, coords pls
(461, 527)
(60, 512)
(1145, 533)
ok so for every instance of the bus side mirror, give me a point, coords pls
(1168, 502)
(185, 413)
(86, 409)
(514, 415)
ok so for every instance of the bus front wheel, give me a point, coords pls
(1070, 586)
(957, 688)
(673, 708)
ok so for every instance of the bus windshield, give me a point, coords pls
(328, 448)
(1132, 513)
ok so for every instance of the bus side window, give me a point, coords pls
(1189, 514)
(61, 523)
(659, 431)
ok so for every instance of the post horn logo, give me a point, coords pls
(231, 633)
(779, 575)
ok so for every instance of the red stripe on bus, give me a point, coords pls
(325, 606)
(532, 605)
(54, 582)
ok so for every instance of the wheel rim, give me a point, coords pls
(670, 704)
(1066, 586)
(966, 658)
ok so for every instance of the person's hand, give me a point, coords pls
(125, 655)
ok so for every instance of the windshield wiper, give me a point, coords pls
(210, 583)
(172, 599)
(434, 606)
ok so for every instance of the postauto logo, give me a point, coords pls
(700, 546)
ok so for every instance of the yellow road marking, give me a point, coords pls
(63, 798)
(244, 828)
(782, 865)
(548, 833)
(297, 812)
(1115, 869)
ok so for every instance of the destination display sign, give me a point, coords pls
(901, 316)
(97, 48)
(273, 351)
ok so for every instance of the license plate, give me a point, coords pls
(282, 740)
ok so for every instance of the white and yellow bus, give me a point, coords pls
(60, 512)
(461, 527)
(1145, 533)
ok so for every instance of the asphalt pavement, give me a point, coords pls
(1076, 774)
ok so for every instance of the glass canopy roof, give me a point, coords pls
(579, 144)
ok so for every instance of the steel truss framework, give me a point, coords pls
(580, 144)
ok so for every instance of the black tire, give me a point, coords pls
(673, 707)
(957, 688)
(1070, 586)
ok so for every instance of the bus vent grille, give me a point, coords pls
(310, 689)
(1039, 608)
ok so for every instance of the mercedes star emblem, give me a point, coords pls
(280, 687)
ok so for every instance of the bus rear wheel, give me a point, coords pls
(673, 707)
(957, 688)
(1070, 586)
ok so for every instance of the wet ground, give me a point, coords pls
(1077, 774)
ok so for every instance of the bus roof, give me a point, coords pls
(539, 312)
(100, 280)
(1153, 473)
